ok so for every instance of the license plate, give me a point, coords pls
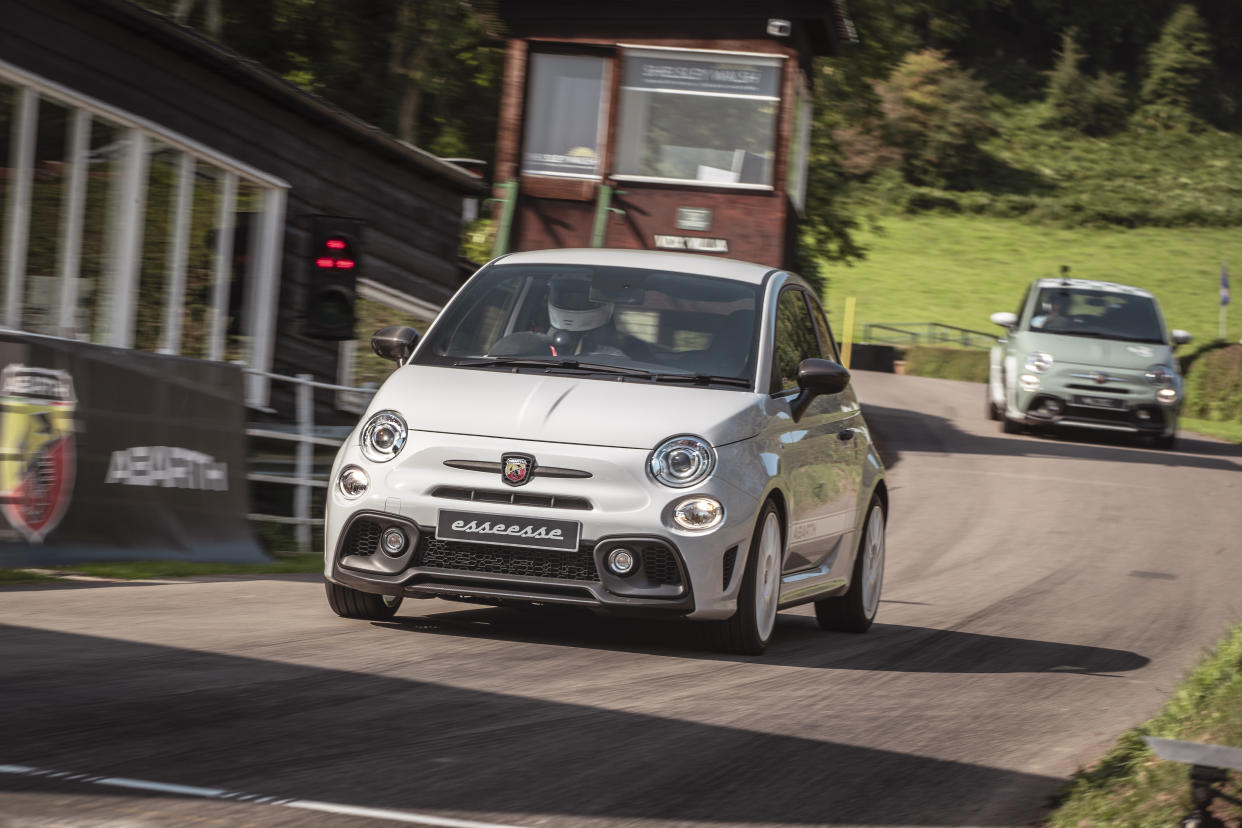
(1099, 402)
(508, 530)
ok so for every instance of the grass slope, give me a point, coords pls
(1129, 786)
(958, 270)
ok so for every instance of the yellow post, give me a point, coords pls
(847, 335)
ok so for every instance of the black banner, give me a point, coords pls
(112, 454)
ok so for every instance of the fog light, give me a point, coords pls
(1143, 414)
(1167, 395)
(1029, 382)
(393, 541)
(353, 482)
(1052, 407)
(698, 513)
(622, 561)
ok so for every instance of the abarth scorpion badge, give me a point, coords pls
(517, 468)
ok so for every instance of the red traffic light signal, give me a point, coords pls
(331, 278)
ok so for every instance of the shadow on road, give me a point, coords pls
(896, 430)
(244, 724)
(798, 643)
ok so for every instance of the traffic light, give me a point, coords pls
(332, 273)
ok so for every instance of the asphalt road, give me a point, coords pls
(1041, 596)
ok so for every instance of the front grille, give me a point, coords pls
(514, 497)
(363, 538)
(730, 558)
(660, 565)
(573, 565)
(1098, 389)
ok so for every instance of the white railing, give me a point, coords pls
(303, 477)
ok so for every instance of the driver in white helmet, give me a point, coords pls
(580, 324)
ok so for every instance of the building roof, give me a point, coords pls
(276, 89)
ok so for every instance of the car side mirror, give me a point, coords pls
(816, 377)
(395, 342)
(1181, 337)
(1005, 319)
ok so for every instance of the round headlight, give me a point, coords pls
(1029, 382)
(1038, 362)
(383, 436)
(353, 482)
(1167, 395)
(682, 461)
(698, 513)
(1159, 375)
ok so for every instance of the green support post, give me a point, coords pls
(508, 201)
(603, 206)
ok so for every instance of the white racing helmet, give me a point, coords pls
(571, 308)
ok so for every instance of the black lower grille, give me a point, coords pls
(730, 558)
(573, 565)
(660, 565)
(362, 539)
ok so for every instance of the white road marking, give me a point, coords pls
(254, 799)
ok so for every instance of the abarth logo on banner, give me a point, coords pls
(36, 448)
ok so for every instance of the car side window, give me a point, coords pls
(826, 343)
(795, 340)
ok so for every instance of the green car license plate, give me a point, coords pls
(1099, 402)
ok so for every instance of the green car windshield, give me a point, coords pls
(1097, 313)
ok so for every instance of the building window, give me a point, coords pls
(702, 117)
(799, 146)
(120, 232)
(564, 115)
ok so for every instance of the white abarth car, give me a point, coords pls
(655, 434)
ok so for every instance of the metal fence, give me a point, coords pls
(925, 333)
(303, 435)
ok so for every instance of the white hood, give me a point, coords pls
(565, 409)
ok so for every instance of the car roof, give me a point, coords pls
(1092, 284)
(694, 263)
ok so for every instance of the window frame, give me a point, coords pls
(778, 61)
(774, 381)
(127, 232)
(603, 121)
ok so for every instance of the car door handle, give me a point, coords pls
(845, 434)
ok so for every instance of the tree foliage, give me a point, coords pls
(936, 114)
(1079, 102)
(1179, 68)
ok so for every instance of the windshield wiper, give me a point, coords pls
(571, 364)
(702, 379)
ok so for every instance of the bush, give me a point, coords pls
(947, 363)
(1079, 102)
(1214, 385)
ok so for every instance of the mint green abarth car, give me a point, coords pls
(1087, 354)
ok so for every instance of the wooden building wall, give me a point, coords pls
(412, 215)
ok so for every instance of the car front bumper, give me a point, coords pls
(1071, 397)
(680, 573)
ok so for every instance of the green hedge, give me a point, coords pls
(947, 363)
(1214, 384)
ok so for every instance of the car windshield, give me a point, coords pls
(613, 322)
(1097, 313)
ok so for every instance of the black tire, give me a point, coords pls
(741, 632)
(351, 603)
(1165, 442)
(850, 612)
(993, 412)
(1009, 426)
